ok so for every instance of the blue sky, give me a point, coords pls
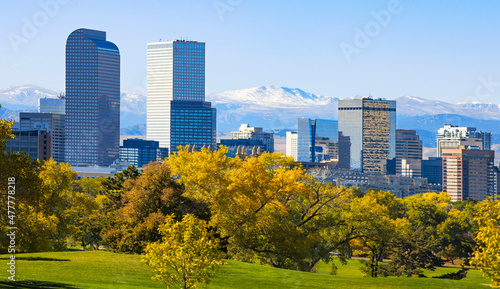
(445, 50)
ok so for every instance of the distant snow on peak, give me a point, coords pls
(132, 102)
(413, 106)
(270, 97)
(25, 95)
(270, 107)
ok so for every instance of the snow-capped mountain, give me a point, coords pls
(411, 105)
(24, 97)
(132, 102)
(273, 107)
(270, 107)
(271, 97)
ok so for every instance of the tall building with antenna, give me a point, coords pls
(177, 113)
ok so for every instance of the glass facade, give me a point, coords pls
(316, 139)
(177, 113)
(34, 142)
(432, 170)
(371, 126)
(408, 153)
(54, 123)
(92, 98)
(193, 122)
(52, 105)
(140, 152)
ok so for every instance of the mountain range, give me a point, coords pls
(275, 108)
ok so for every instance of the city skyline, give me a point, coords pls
(177, 113)
(252, 44)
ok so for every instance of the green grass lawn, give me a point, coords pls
(98, 269)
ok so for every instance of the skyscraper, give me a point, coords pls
(468, 173)
(453, 136)
(177, 113)
(92, 98)
(315, 139)
(371, 126)
(291, 144)
(408, 153)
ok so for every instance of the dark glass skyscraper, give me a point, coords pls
(92, 98)
(177, 113)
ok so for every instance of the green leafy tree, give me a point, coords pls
(187, 254)
(413, 250)
(145, 202)
(456, 234)
(486, 255)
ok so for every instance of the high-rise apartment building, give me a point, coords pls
(468, 173)
(452, 136)
(408, 153)
(371, 126)
(92, 98)
(316, 139)
(177, 113)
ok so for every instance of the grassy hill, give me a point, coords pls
(98, 269)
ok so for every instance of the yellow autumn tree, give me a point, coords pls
(187, 254)
(487, 253)
(266, 205)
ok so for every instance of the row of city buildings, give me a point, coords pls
(362, 149)
(82, 126)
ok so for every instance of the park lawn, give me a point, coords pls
(100, 269)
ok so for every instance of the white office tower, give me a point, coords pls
(291, 144)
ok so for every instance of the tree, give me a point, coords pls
(413, 250)
(90, 186)
(5, 132)
(56, 194)
(145, 202)
(375, 228)
(486, 255)
(186, 255)
(267, 206)
(456, 234)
